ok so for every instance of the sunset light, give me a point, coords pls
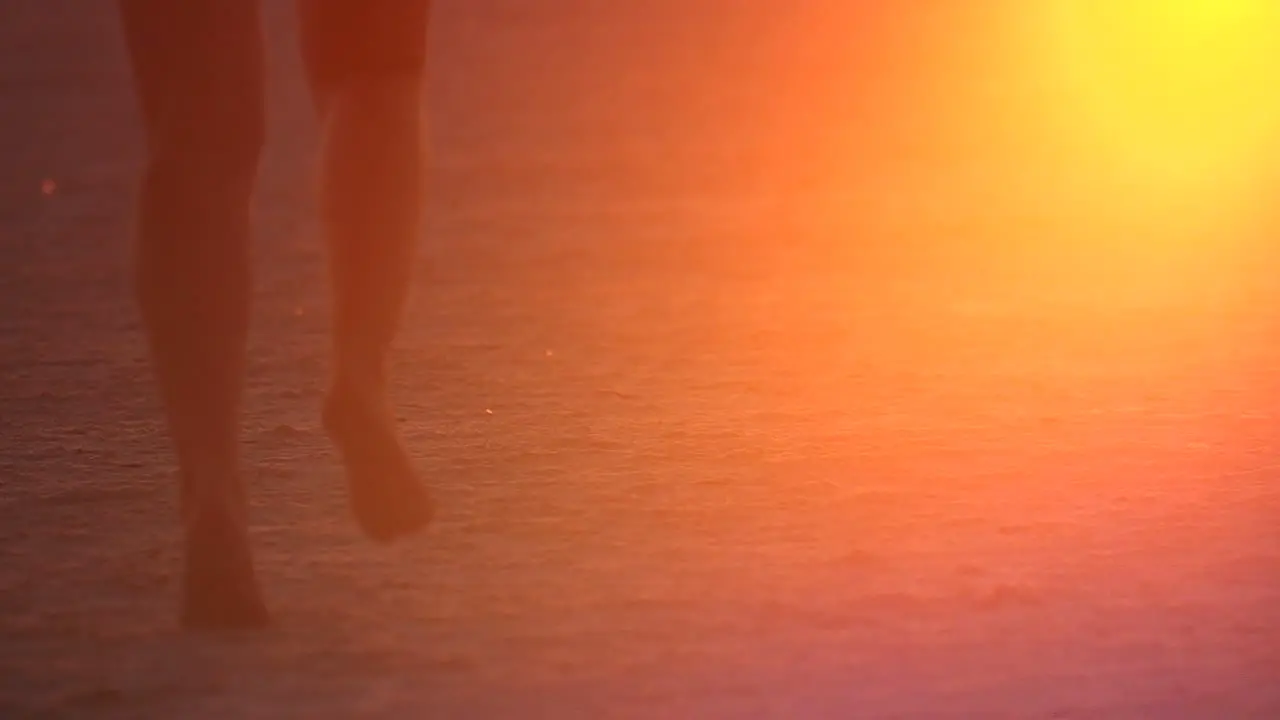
(772, 359)
(1182, 91)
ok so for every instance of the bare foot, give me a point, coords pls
(386, 496)
(219, 586)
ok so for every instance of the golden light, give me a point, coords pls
(1183, 91)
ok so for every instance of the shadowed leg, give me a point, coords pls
(199, 71)
(366, 63)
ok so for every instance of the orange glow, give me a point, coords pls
(1181, 91)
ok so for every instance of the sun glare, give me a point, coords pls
(1184, 91)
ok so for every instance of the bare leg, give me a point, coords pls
(365, 63)
(198, 65)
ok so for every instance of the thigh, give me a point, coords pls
(350, 40)
(198, 67)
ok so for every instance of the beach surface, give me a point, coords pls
(720, 424)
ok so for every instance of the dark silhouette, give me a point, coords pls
(200, 79)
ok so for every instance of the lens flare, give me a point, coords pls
(1182, 90)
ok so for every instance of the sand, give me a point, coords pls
(694, 457)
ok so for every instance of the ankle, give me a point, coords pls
(219, 506)
(359, 376)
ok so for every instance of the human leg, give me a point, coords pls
(366, 63)
(198, 66)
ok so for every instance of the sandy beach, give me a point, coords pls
(713, 435)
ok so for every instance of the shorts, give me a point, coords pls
(342, 39)
(208, 56)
